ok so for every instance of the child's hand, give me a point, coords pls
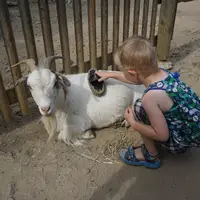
(129, 115)
(103, 75)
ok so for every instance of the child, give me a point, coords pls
(169, 111)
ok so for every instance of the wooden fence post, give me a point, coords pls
(64, 37)
(92, 31)
(25, 15)
(166, 25)
(11, 50)
(116, 12)
(136, 16)
(104, 33)
(43, 6)
(4, 103)
(126, 19)
(78, 26)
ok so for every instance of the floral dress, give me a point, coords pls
(183, 118)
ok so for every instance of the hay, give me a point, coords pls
(109, 150)
(112, 147)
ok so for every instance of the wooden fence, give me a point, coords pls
(20, 94)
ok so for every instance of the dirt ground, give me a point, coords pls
(31, 170)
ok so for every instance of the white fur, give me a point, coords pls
(74, 117)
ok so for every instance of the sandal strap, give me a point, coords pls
(130, 154)
(148, 157)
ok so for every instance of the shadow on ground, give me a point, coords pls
(172, 181)
(18, 120)
(179, 53)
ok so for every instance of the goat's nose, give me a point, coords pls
(45, 109)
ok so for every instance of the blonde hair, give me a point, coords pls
(138, 54)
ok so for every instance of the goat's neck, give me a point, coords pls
(61, 101)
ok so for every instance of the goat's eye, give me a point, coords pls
(29, 87)
(56, 84)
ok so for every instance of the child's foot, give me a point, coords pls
(139, 156)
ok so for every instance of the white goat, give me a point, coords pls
(68, 106)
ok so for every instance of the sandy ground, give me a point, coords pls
(31, 170)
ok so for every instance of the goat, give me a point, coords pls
(68, 106)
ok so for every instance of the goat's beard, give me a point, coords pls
(50, 125)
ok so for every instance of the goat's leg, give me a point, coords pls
(67, 136)
(125, 124)
(89, 134)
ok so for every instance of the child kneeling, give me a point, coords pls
(168, 112)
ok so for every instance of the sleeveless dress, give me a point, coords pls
(183, 118)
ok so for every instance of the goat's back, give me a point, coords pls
(105, 110)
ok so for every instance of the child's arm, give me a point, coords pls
(158, 130)
(116, 75)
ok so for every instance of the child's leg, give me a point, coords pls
(141, 116)
(145, 154)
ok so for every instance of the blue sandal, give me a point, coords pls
(128, 156)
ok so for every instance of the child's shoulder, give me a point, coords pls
(154, 96)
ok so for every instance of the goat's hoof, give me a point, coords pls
(125, 124)
(77, 143)
(88, 135)
(117, 124)
(73, 142)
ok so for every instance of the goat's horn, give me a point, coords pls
(30, 62)
(49, 60)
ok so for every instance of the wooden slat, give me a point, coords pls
(104, 33)
(136, 16)
(4, 104)
(174, 19)
(92, 31)
(64, 38)
(99, 61)
(11, 50)
(165, 29)
(126, 20)
(26, 20)
(153, 19)
(116, 4)
(12, 97)
(78, 34)
(43, 6)
(145, 18)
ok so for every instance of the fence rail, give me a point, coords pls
(20, 94)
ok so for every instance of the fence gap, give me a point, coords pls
(145, 17)
(11, 51)
(64, 37)
(43, 6)
(126, 20)
(27, 27)
(116, 13)
(104, 33)
(92, 32)
(78, 34)
(136, 16)
(153, 20)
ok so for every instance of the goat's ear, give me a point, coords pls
(19, 81)
(66, 81)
